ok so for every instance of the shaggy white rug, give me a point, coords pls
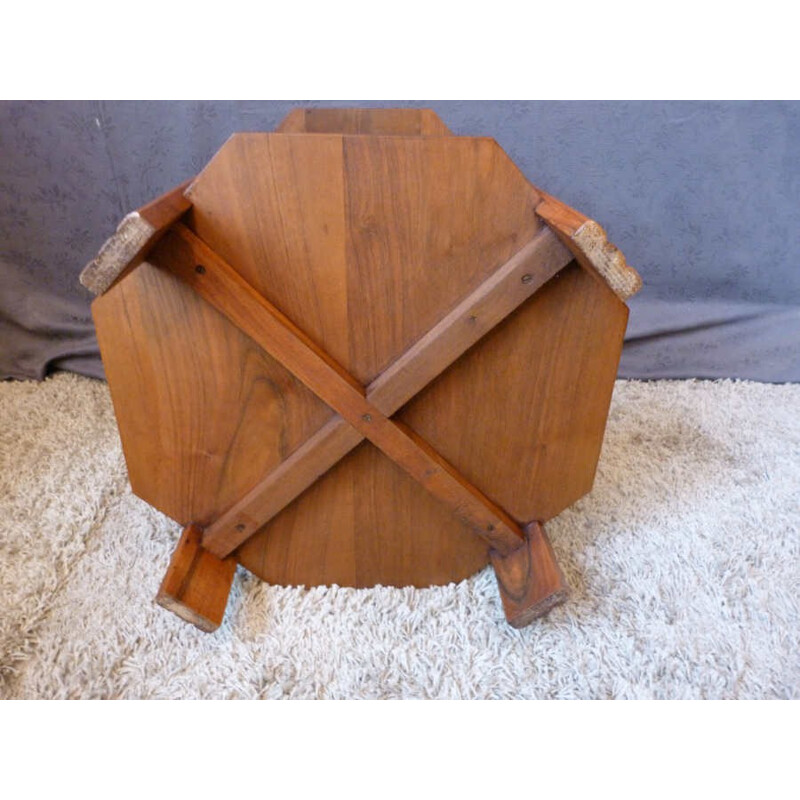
(684, 563)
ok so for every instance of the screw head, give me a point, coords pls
(240, 527)
(366, 417)
(527, 278)
(200, 269)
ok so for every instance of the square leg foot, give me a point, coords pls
(529, 579)
(197, 583)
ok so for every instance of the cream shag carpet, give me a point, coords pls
(684, 563)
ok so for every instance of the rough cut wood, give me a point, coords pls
(529, 579)
(469, 321)
(182, 253)
(197, 583)
(376, 121)
(132, 240)
(590, 245)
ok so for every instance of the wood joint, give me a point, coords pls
(588, 242)
(363, 412)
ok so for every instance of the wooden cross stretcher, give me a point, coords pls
(171, 269)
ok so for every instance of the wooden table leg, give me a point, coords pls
(529, 579)
(197, 583)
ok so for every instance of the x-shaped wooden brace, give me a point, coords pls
(529, 579)
(198, 580)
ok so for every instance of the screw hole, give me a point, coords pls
(200, 269)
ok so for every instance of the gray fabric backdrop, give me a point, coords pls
(703, 199)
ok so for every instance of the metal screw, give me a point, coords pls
(527, 278)
(366, 417)
(200, 269)
(490, 527)
(240, 527)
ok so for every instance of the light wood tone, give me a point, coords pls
(134, 237)
(478, 313)
(185, 255)
(590, 245)
(375, 121)
(529, 579)
(197, 584)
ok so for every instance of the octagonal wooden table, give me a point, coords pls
(360, 350)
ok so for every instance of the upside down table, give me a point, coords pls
(360, 350)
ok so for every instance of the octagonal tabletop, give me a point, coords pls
(365, 242)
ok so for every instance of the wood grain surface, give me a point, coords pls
(365, 244)
(192, 394)
(183, 254)
(477, 314)
(197, 584)
(375, 121)
(351, 238)
(533, 448)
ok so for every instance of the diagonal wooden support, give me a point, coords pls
(469, 321)
(197, 583)
(336, 203)
(216, 281)
(190, 259)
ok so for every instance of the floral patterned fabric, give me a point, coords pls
(703, 199)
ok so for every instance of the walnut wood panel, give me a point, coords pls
(375, 121)
(351, 238)
(538, 390)
(192, 395)
(365, 242)
(417, 245)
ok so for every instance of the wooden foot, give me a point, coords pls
(529, 579)
(197, 583)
